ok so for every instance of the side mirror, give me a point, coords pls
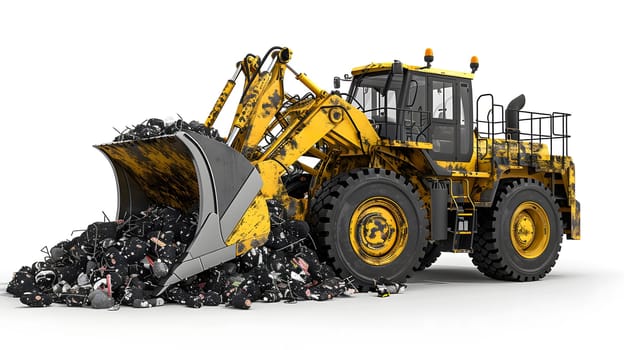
(336, 83)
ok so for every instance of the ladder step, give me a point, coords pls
(460, 196)
(464, 213)
(463, 232)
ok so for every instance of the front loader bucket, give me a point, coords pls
(187, 171)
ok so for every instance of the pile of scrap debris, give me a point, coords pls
(124, 262)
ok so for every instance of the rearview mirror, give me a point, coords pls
(336, 83)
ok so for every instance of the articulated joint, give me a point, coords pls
(284, 55)
(335, 115)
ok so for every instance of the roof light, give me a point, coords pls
(474, 63)
(428, 56)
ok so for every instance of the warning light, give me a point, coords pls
(474, 63)
(428, 56)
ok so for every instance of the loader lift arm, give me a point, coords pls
(262, 107)
(274, 130)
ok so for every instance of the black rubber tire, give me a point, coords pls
(432, 253)
(493, 252)
(334, 205)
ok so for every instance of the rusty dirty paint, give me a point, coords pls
(161, 166)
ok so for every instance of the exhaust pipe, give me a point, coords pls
(512, 116)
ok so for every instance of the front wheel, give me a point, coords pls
(370, 223)
(519, 239)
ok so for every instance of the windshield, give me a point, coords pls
(369, 93)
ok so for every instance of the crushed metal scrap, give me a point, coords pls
(124, 262)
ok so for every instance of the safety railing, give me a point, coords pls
(534, 128)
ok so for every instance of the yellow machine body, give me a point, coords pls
(325, 139)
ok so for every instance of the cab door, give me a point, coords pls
(451, 119)
(443, 119)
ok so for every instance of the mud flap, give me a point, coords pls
(189, 172)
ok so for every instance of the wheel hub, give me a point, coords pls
(378, 231)
(530, 230)
(525, 230)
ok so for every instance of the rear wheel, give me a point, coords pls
(370, 223)
(519, 239)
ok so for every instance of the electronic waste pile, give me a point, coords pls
(122, 262)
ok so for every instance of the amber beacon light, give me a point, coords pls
(428, 56)
(474, 63)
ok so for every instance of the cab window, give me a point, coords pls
(442, 100)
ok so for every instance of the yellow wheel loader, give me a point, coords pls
(388, 175)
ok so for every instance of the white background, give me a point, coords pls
(70, 71)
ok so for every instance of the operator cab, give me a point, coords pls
(423, 104)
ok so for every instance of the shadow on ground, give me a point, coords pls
(450, 274)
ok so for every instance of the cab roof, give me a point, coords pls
(381, 67)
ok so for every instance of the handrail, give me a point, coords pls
(548, 128)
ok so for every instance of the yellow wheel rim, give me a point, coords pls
(530, 230)
(378, 231)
